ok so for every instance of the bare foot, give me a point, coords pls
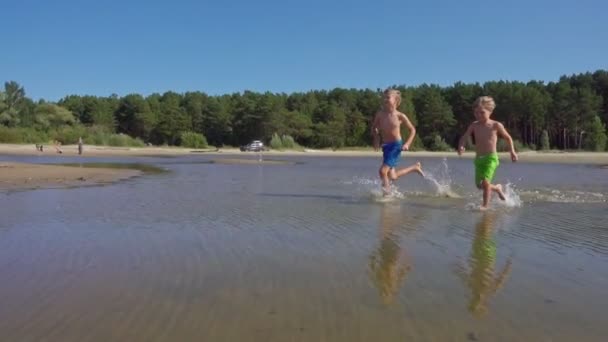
(501, 194)
(418, 169)
(386, 192)
(483, 208)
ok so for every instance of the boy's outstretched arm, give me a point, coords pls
(503, 132)
(463, 139)
(411, 128)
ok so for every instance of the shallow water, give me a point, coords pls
(305, 252)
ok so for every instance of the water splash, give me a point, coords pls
(473, 206)
(512, 200)
(372, 188)
(365, 186)
(564, 196)
(441, 180)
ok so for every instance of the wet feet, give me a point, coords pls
(501, 194)
(418, 168)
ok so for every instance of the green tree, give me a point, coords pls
(587, 106)
(172, 120)
(248, 121)
(435, 116)
(193, 140)
(600, 78)
(218, 127)
(535, 102)
(331, 131)
(563, 113)
(49, 115)
(194, 103)
(14, 94)
(8, 116)
(595, 135)
(461, 97)
(298, 125)
(356, 127)
(11, 104)
(338, 117)
(134, 116)
(544, 141)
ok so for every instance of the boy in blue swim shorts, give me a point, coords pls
(387, 125)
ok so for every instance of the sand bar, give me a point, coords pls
(19, 176)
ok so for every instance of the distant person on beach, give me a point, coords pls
(387, 125)
(80, 145)
(486, 132)
(58, 146)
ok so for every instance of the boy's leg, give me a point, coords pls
(498, 189)
(383, 173)
(404, 171)
(487, 188)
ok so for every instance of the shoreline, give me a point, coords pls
(561, 157)
(30, 176)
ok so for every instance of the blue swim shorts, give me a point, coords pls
(391, 152)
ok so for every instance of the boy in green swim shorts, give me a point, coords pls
(486, 132)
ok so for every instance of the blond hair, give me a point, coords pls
(486, 102)
(397, 93)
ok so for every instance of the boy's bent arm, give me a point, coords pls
(464, 138)
(374, 132)
(410, 128)
(374, 125)
(505, 135)
(503, 132)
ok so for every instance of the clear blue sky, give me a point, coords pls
(60, 47)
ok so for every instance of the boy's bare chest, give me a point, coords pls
(389, 121)
(484, 131)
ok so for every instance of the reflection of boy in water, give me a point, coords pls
(388, 264)
(480, 278)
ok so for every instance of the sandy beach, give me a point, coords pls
(596, 158)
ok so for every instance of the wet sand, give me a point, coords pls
(18, 176)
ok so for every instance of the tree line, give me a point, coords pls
(567, 114)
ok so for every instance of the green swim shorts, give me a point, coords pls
(485, 168)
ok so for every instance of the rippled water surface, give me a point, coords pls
(307, 251)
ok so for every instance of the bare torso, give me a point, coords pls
(389, 125)
(486, 136)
